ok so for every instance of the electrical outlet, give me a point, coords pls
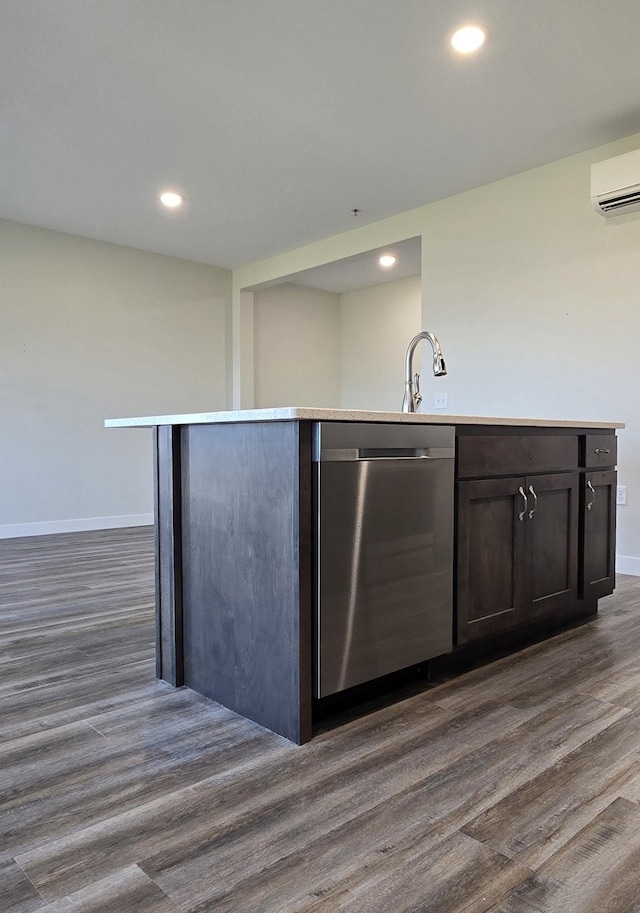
(440, 401)
(621, 495)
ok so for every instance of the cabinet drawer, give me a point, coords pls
(600, 450)
(482, 456)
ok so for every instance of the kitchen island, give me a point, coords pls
(236, 530)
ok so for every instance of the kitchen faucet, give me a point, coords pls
(412, 396)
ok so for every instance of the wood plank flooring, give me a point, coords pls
(514, 788)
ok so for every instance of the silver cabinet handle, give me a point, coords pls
(523, 512)
(593, 492)
(599, 450)
(535, 502)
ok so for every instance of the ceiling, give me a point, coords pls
(359, 271)
(275, 118)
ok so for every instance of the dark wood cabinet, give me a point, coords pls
(491, 573)
(600, 451)
(552, 543)
(598, 533)
(482, 455)
(535, 530)
(517, 551)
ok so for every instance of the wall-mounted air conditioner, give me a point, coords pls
(615, 184)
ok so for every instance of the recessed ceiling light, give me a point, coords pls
(467, 39)
(170, 199)
(387, 260)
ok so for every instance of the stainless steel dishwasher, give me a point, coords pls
(384, 549)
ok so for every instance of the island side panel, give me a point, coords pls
(305, 579)
(246, 527)
(168, 545)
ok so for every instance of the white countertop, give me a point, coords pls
(293, 413)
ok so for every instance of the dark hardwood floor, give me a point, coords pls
(514, 788)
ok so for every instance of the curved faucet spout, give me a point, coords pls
(412, 396)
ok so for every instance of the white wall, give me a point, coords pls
(535, 298)
(90, 331)
(376, 325)
(318, 348)
(296, 344)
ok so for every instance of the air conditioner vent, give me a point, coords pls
(624, 200)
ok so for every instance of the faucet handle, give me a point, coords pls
(417, 396)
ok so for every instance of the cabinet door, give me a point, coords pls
(491, 569)
(598, 517)
(552, 543)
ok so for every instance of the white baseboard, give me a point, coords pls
(47, 528)
(626, 565)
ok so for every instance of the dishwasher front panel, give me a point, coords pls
(384, 567)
